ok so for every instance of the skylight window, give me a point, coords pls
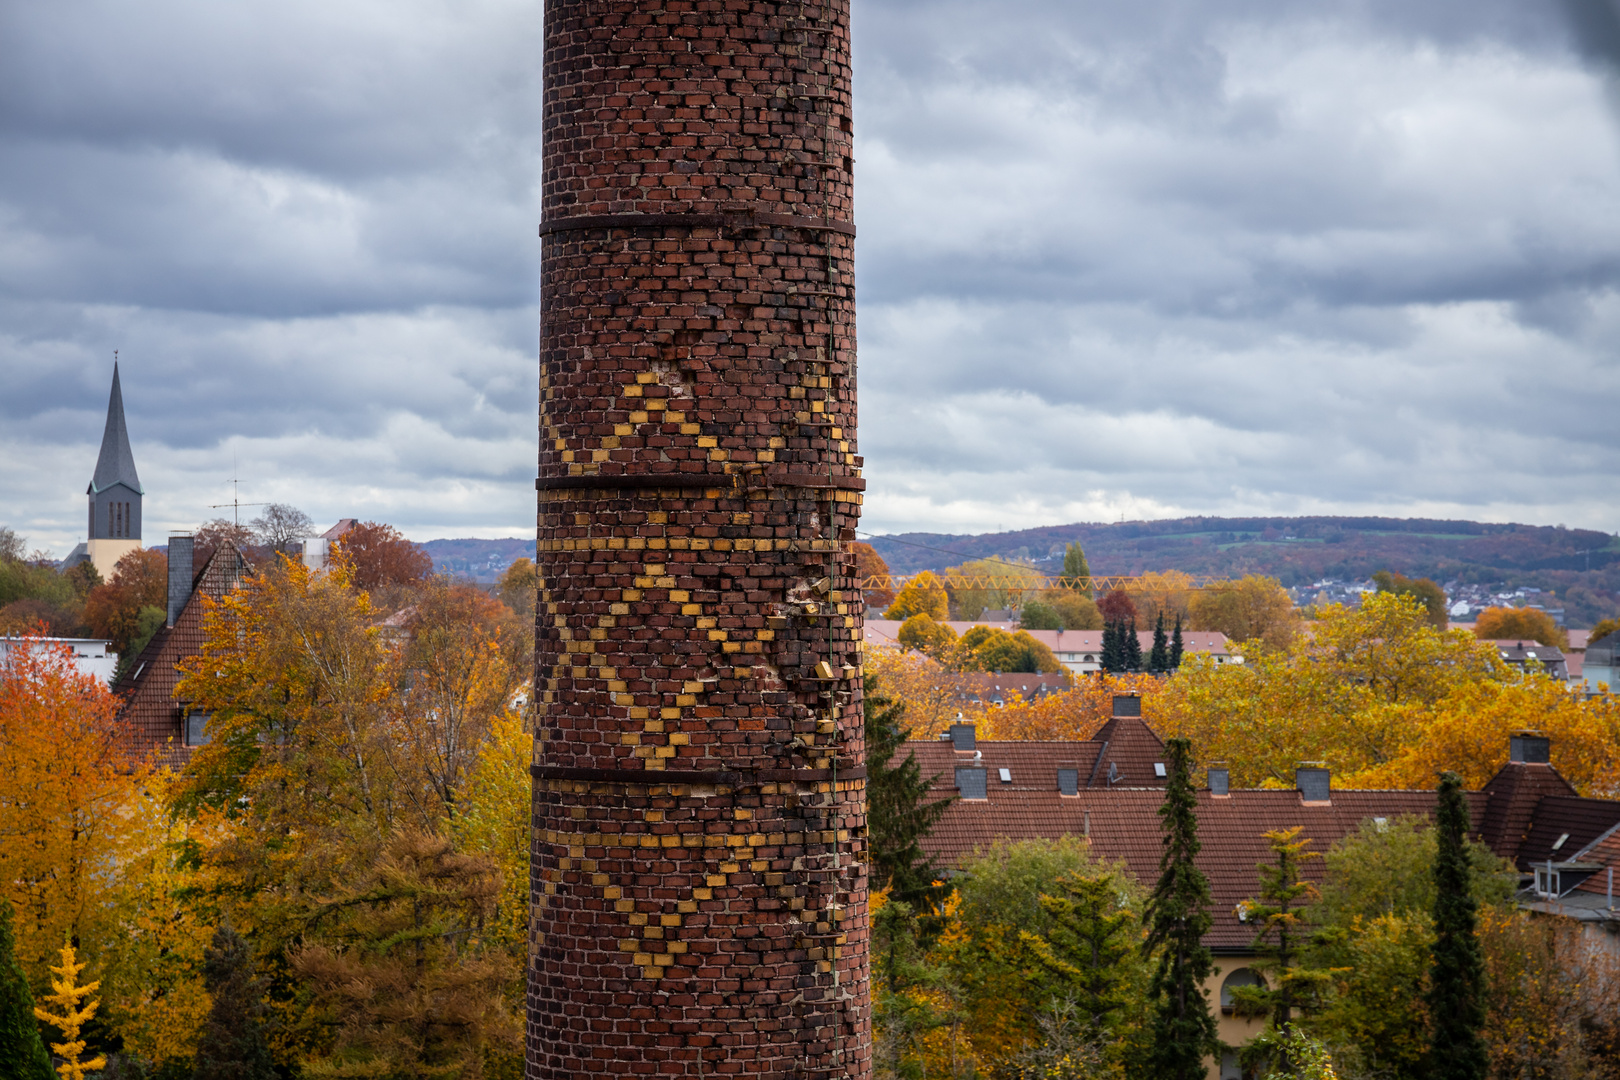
(1005, 774)
(1158, 769)
(1560, 841)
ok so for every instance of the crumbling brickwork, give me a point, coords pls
(699, 883)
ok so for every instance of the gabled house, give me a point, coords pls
(1109, 788)
(157, 722)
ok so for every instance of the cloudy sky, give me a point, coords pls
(1136, 259)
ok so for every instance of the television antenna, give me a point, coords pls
(236, 503)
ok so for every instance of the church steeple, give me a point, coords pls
(116, 465)
(115, 491)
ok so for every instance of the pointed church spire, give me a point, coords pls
(116, 463)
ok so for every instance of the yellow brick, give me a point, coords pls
(624, 905)
(612, 892)
(645, 377)
(707, 440)
(670, 920)
(644, 959)
(703, 894)
(679, 738)
(689, 609)
(676, 947)
(686, 429)
(670, 713)
(717, 635)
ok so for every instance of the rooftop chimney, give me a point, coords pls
(180, 558)
(1312, 781)
(1220, 780)
(962, 737)
(1127, 705)
(1530, 748)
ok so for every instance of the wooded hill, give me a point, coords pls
(1300, 550)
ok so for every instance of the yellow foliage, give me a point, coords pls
(1166, 592)
(1254, 608)
(1468, 733)
(922, 595)
(66, 994)
(1075, 713)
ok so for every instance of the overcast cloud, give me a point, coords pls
(1140, 259)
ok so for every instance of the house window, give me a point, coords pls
(1241, 977)
(1547, 883)
(197, 729)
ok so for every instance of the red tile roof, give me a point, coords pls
(155, 720)
(1515, 792)
(1579, 821)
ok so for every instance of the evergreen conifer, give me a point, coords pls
(1456, 996)
(1175, 646)
(1113, 653)
(899, 812)
(1132, 646)
(22, 1051)
(1159, 658)
(1182, 1028)
(234, 1045)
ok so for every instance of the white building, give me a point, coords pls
(1078, 650)
(91, 656)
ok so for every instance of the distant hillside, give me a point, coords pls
(1581, 565)
(481, 560)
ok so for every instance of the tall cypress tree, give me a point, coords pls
(1456, 996)
(1175, 646)
(22, 1051)
(1159, 658)
(1133, 646)
(1177, 915)
(898, 811)
(1113, 655)
(234, 1043)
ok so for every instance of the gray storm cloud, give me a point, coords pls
(1149, 258)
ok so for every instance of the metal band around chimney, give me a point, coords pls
(737, 220)
(680, 481)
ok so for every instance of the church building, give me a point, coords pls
(115, 495)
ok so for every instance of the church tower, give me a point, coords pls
(115, 492)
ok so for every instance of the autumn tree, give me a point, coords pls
(925, 635)
(1520, 624)
(1075, 610)
(22, 1053)
(67, 799)
(868, 566)
(234, 1043)
(519, 587)
(140, 583)
(922, 595)
(1161, 592)
(1358, 691)
(1602, 630)
(280, 527)
(1456, 996)
(460, 679)
(989, 584)
(73, 1011)
(399, 960)
(1426, 592)
(379, 555)
(997, 650)
(210, 536)
(1177, 918)
(1117, 606)
(1253, 608)
(900, 811)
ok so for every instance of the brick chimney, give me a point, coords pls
(699, 886)
(1529, 748)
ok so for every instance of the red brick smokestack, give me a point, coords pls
(699, 782)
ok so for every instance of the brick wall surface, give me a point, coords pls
(699, 887)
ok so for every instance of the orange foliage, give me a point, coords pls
(1520, 624)
(1075, 713)
(378, 555)
(141, 579)
(67, 794)
(869, 564)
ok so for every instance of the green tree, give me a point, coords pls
(234, 1044)
(1076, 571)
(1456, 996)
(1176, 646)
(1132, 646)
(1386, 867)
(1177, 917)
(1424, 591)
(1001, 651)
(1088, 946)
(1281, 918)
(1036, 615)
(922, 595)
(899, 811)
(1113, 648)
(22, 1051)
(1159, 658)
(912, 994)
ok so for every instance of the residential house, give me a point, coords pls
(1078, 650)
